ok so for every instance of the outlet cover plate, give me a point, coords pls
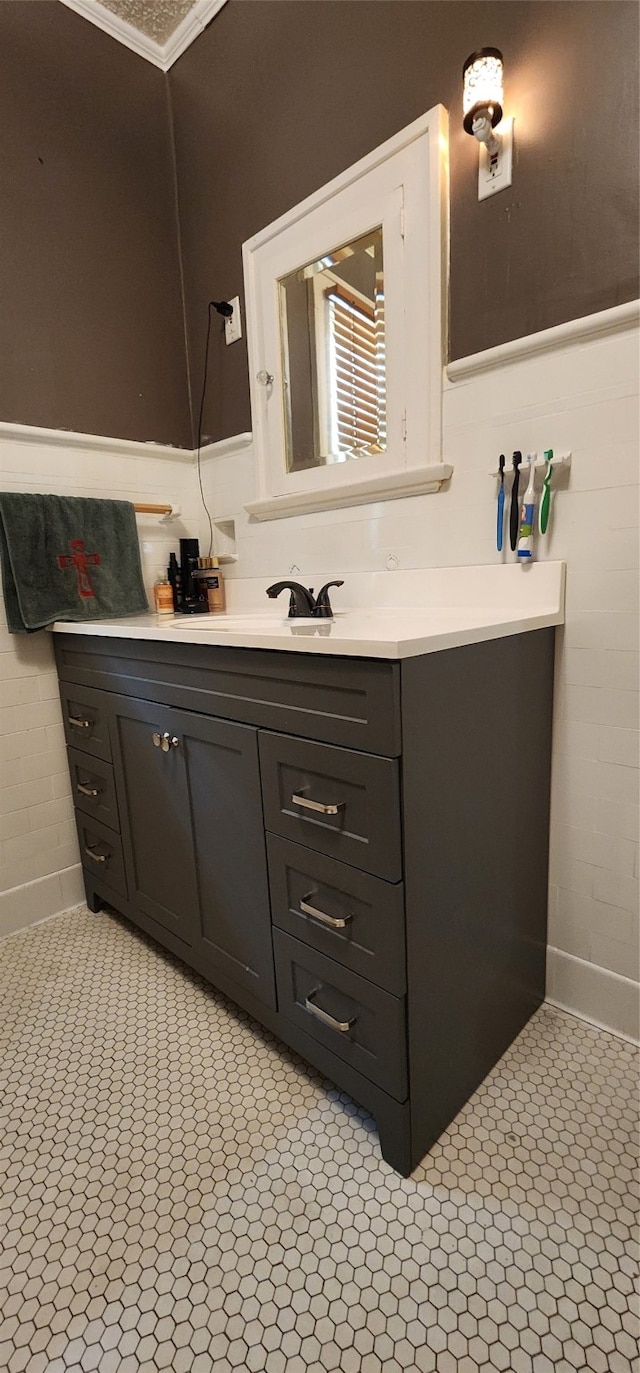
(233, 325)
(494, 174)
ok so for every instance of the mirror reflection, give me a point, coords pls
(333, 355)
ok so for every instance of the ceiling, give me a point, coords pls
(158, 30)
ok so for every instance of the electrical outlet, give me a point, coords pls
(233, 325)
(494, 173)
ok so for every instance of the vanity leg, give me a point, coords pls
(395, 1138)
(94, 902)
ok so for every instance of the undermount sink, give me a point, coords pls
(233, 623)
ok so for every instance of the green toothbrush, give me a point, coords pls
(545, 502)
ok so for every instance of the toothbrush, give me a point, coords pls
(500, 530)
(527, 514)
(545, 500)
(514, 512)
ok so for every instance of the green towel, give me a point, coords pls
(67, 558)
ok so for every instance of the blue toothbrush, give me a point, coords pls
(500, 529)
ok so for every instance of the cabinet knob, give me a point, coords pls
(165, 741)
(265, 378)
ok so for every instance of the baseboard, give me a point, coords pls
(595, 994)
(27, 905)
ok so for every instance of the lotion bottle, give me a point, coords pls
(210, 580)
(163, 594)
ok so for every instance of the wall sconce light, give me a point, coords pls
(482, 98)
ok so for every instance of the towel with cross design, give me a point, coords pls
(68, 558)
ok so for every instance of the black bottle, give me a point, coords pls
(193, 602)
(175, 578)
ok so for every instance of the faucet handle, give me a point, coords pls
(322, 609)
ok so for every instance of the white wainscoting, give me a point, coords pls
(578, 392)
(39, 868)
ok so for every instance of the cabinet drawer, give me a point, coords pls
(348, 915)
(355, 1020)
(101, 853)
(84, 713)
(339, 802)
(93, 787)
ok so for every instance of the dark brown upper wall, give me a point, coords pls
(91, 326)
(278, 96)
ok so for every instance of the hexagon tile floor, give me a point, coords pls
(180, 1192)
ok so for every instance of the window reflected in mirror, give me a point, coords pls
(332, 339)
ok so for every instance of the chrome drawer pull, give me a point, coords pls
(97, 857)
(78, 723)
(342, 1025)
(298, 800)
(86, 790)
(330, 920)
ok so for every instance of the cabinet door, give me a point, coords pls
(194, 837)
(155, 816)
(230, 853)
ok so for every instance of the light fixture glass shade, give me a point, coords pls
(482, 86)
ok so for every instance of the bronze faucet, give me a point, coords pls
(301, 601)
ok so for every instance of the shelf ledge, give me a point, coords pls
(422, 481)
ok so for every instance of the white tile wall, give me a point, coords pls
(39, 872)
(581, 397)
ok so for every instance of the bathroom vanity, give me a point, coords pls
(327, 823)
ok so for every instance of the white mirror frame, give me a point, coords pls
(402, 185)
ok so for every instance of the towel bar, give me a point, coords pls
(169, 512)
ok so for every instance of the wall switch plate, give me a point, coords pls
(494, 173)
(233, 325)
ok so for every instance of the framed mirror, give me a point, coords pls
(345, 319)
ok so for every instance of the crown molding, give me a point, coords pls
(193, 24)
(161, 55)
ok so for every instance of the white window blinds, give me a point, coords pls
(357, 372)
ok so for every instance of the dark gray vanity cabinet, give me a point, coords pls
(332, 842)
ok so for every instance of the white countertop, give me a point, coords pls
(436, 609)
